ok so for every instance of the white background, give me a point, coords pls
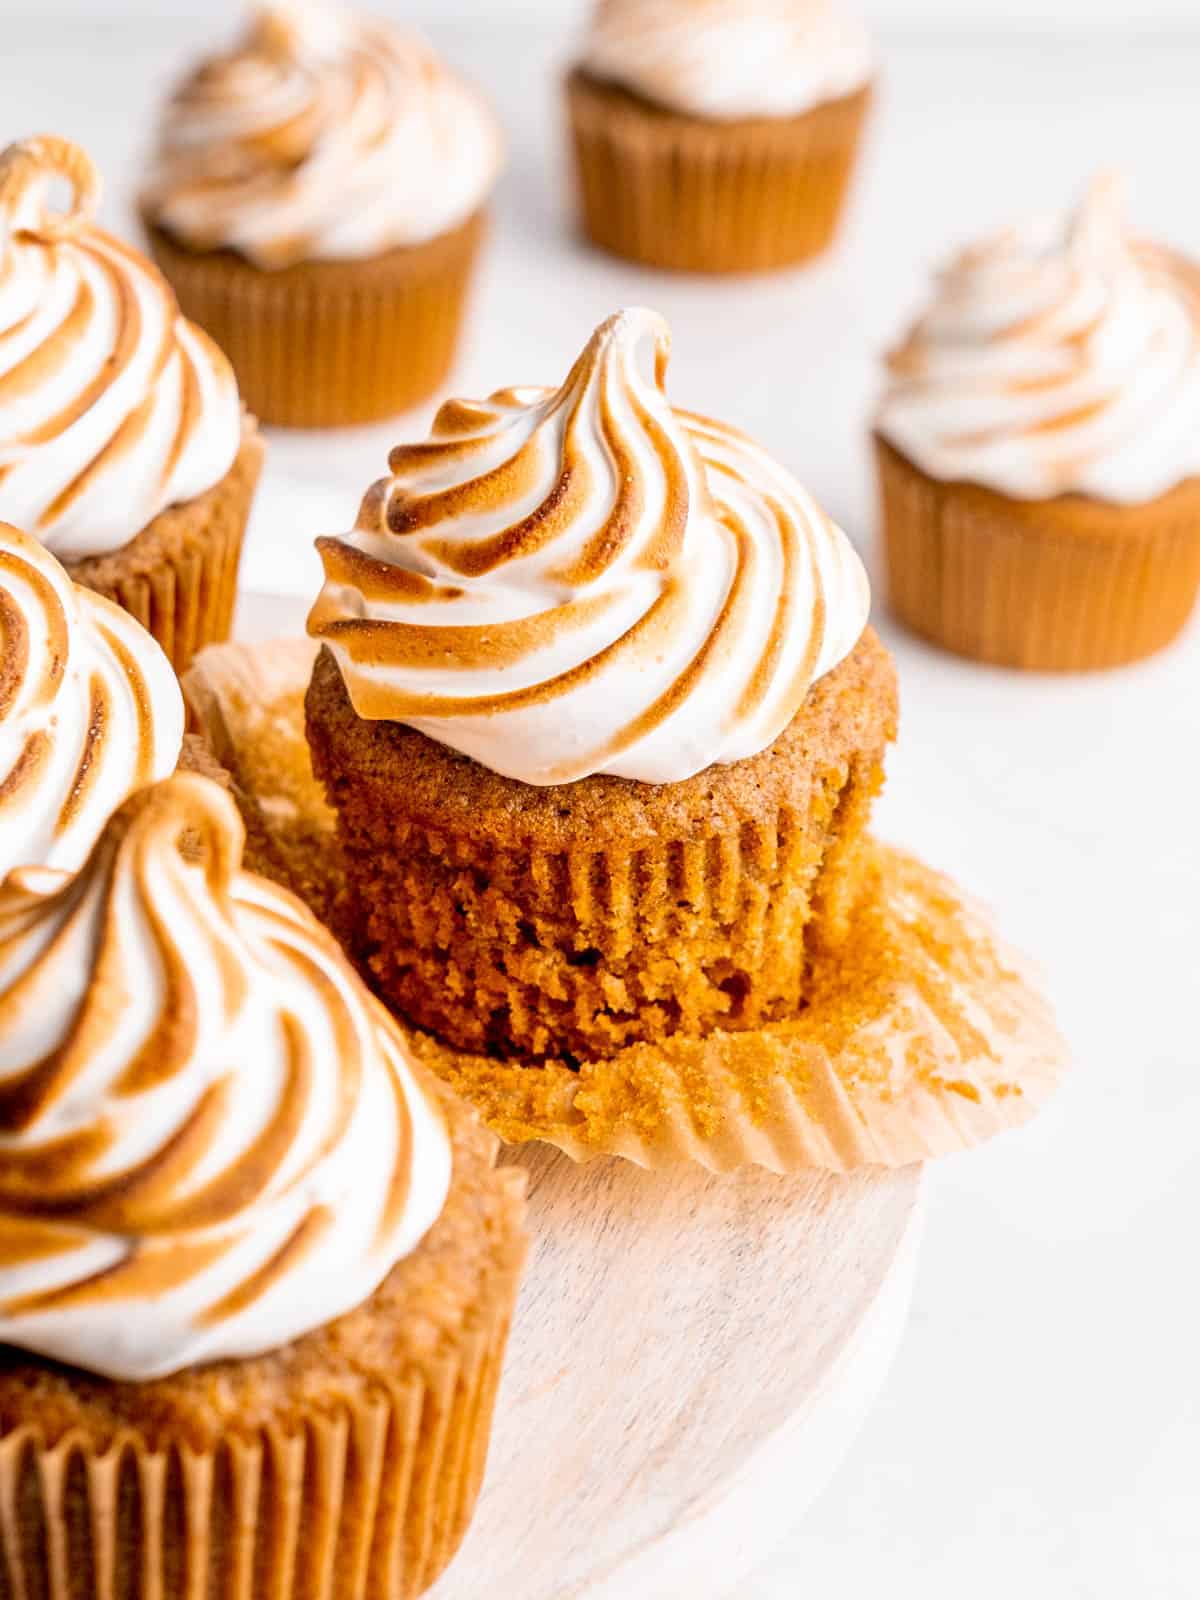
(1040, 1436)
(1006, 15)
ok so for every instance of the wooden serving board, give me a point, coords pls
(691, 1357)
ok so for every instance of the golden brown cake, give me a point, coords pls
(602, 742)
(255, 1353)
(1038, 448)
(318, 201)
(579, 919)
(717, 135)
(135, 465)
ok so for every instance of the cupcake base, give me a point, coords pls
(922, 1034)
(1063, 585)
(692, 195)
(525, 921)
(344, 1465)
(325, 344)
(178, 577)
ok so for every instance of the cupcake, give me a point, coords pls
(598, 715)
(257, 1272)
(1038, 447)
(317, 201)
(123, 445)
(599, 721)
(90, 710)
(718, 135)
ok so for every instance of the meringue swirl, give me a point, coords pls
(562, 582)
(211, 1137)
(1056, 358)
(323, 135)
(728, 59)
(112, 406)
(90, 710)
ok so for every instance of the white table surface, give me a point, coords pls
(1041, 1431)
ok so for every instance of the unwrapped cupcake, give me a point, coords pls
(318, 201)
(1039, 447)
(601, 719)
(123, 444)
(258, 1270)
(718, 135)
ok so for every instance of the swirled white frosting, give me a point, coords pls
(729, 59)
(90, 710)
(211, 1138)
(568, 581)
(1056, 358)
(112, 406)
(323, 135)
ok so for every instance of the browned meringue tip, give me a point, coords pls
(928, 1038)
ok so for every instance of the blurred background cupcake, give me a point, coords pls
(123, 445)
(718, 135)
(1039, 447)
(318, 201)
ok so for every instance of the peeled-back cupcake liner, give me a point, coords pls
(178, 577)
(330, 343)
(923, 1037)
(691, 195)
(1063, 585)
(363, 1498)
(923, 1034)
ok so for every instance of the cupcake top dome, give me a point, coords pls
(322, 135)
(730, 59)
(112, 406)
(569, 581)
(1058, 357)
(211, 1140)
(90, 710)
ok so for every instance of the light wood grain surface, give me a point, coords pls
(691, 1358)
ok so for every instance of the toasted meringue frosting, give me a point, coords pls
(730, 59)
(562, 582)
(90, 710)
(323, 135)
(1056, 358)
(112, 406)
(211, 1139)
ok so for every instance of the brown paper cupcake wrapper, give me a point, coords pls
(367, 1500)
(691, 195)
(1065, 585)
(328, 343)
(178, 577)
(923, 1036)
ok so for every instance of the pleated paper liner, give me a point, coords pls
(357, 1495)
(178, 577)
(695, 195)
(328, 343)
(924, 1034)
(1063, 585)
